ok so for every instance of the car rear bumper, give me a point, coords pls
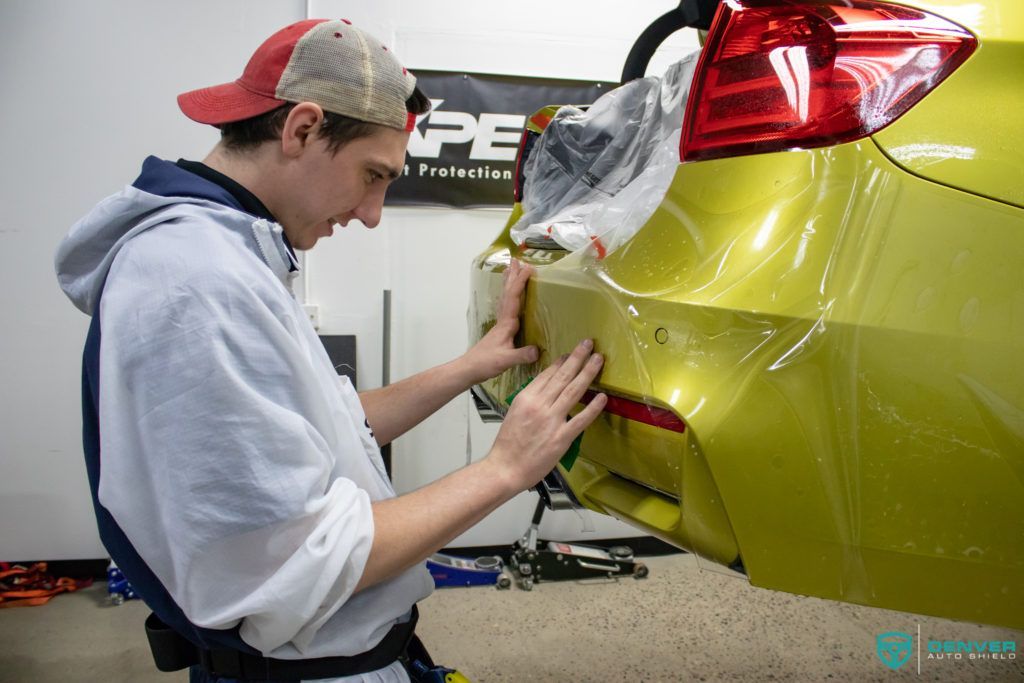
(838, 338)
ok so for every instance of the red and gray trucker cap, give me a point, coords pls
(329, 62)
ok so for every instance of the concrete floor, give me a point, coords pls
(680, 624)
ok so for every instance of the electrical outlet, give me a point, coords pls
(313, 313)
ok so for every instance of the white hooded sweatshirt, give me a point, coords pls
(237, 462)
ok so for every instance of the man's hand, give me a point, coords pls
(496, 352)
(397, 408)
(535, 433)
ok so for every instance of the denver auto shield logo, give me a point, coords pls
(894, 648)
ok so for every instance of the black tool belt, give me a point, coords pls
(173, 652)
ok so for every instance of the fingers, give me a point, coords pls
(585, 417)
(516, 276)
(577, 386)
(551, 383)
(569, 370)
(518, 269)
(526, 354)
(541, 380)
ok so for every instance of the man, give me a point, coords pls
(236, 478)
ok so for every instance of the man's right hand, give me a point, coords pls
(535, 433)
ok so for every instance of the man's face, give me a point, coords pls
(335, 188)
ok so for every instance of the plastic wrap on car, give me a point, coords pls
(595, 176)
(843, 342)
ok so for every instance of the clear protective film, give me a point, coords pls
(813, 364)
(596, 176)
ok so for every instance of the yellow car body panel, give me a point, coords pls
(841, 329)
(842, 340)
(985, 157)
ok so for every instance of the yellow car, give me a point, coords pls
(815, 343)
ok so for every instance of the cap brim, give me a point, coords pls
(225, 103)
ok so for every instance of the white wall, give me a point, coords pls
(586, 39)
(89, 91)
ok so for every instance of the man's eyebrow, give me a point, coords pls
(385, 170)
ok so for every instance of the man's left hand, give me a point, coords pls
(496, 352)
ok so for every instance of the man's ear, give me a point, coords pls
(300, 128)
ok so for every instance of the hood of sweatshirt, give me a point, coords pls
(162, 192)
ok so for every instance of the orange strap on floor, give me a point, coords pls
(22, 586)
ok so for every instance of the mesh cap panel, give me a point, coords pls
(349, 72)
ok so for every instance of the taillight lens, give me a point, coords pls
(534, 127)
(639, 412)
(784, 74)
(526, 143)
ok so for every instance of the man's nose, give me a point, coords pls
(369, 211)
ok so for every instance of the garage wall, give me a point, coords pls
(83, 103)
(89, 92)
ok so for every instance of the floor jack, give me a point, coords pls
(566, 561)
(449, 571)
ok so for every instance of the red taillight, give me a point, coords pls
(518, 178)
(540, 120)
(784, 74)
(639, 412)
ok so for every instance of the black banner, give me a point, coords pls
(462, 153)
